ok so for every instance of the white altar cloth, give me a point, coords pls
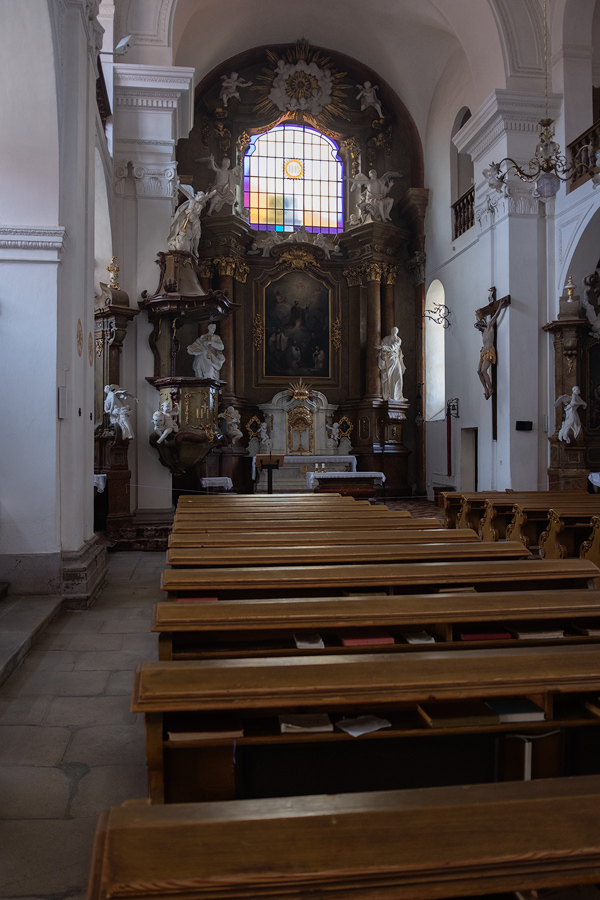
(378, 477)
(224, 484)
(290, 477)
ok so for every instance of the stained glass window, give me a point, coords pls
(293, 177)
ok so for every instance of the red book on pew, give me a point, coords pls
(364, 637)
(197, 599)
(484, 633)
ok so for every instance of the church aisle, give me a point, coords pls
(69, 746)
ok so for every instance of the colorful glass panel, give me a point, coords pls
(293, 177)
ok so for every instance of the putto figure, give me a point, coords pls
(230, 86)
(368, 97)
(118, 410)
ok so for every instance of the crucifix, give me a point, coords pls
(487, 356)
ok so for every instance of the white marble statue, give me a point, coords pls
(207, 351)
(118, 409)
(164, 421)
(185, 228)
(224, 187)
(333, 435)
(232, 421)
(368, 97)
(374, 200)
(321, 241)
(571, 423)
(299, 236)
(266, 443)
(390, 361)
(230, 86)
(592, 316)
(272, 238)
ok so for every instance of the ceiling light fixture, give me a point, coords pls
(548, 167)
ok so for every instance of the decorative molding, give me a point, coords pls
(35, 243)
(155, 181)
(160, 15)
(567, 232)
(336, 333)
(353, 276)
(515, 35)
(258, 332)
(157, 88)
(374, 271)
(225, 265)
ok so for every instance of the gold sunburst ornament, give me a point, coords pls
(299, 390)
(302, 82)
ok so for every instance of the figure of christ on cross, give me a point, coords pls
(487, 354)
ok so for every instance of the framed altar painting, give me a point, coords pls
(297, 329)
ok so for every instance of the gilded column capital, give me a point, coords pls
(374, 271)
(391, 274)
(206, 268)
(353, 276)
(225, 265)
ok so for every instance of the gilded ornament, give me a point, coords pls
(206, 268)
(114, 274)
(374, 271)
(242, 144)
(299, 390)
(253, 426)
(223, 137)
(90, 348)
(350, 146)
(353, 276)
(79, 337)
(297, 258)
(242, 270)
(336, 333)
(99, 346)
(391, 274)
(258, 332)
(225, 265)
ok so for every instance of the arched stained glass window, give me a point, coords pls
(293, 177)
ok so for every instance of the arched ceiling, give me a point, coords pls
(407, 42)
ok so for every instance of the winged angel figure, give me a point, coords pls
(185, 229)
(571, 422)
(374, 200)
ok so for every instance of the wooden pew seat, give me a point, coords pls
(284, 538)
(310, 523)
(312, 554)
(236, 628)
(244, 581)
(179, 699)
(402, 845)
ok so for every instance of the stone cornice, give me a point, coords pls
(32, 242)
(503, 112)
(157, 87)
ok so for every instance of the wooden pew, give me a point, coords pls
(179, 699)
(317, 523)
(531, 516)
(325, 580)
(402, 845)
(473, 506)
(590, 549)
(290, 538)
(234, 629)
(284, 515)
(311, 554)
(453, 501)
(566, 532)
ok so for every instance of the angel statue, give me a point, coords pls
(571, 422)
(226, 181)
(368, 97)
(118, 410)
(185, 229)
(230, 86)
(374, 200)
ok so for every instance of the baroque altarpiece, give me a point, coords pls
(311, 253)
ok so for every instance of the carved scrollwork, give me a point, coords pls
(258, 332)
(336, 333)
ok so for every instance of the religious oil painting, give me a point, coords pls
(297, 317)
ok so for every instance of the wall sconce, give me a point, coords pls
(452, 408)
(439, 314)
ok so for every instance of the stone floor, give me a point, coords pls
(69, 746)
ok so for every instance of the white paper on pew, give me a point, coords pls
(305, 722)
(312, 641)
(362, 725)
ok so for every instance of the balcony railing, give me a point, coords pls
(463, 213)
(582, 152)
